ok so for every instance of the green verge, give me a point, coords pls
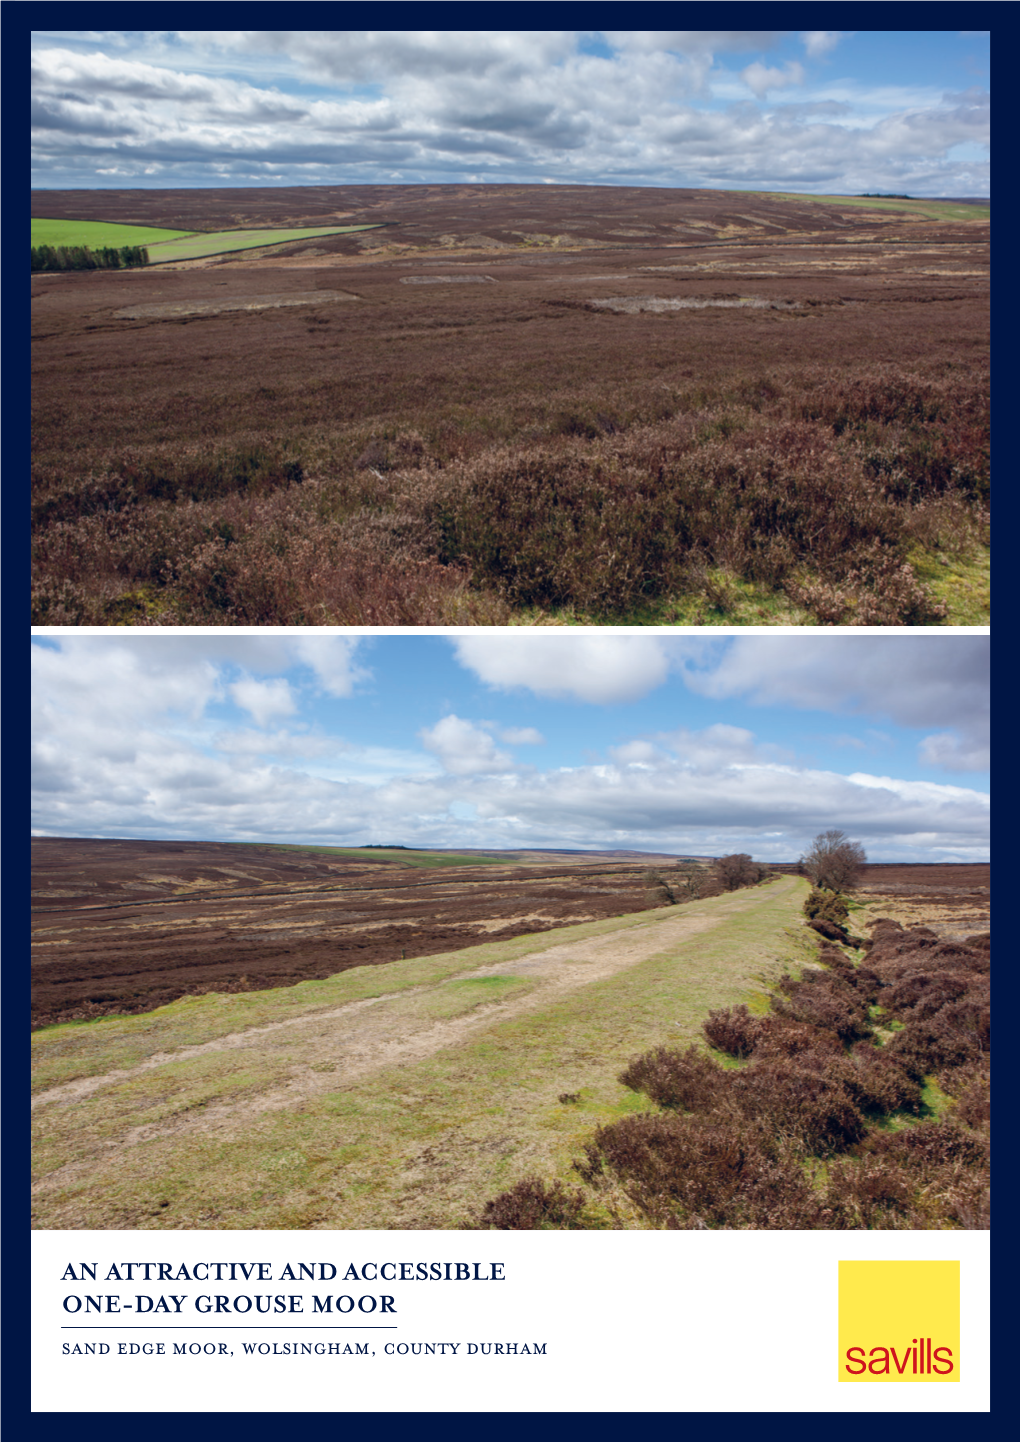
(961, 582)
(418, 1144)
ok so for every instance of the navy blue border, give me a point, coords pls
(18, 19)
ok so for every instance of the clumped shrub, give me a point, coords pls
(739, 870)
(690, 1173)
(809, 1108)
(251, 470)
(972, 1085)
(531, 1205)
(958, 1033)
(739, 1034)
(829, 905)
(733, 1030)
(682, 1081)
(824, 1000)
(734, 1147)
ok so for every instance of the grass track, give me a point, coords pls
(420, 1142)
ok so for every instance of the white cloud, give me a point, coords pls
(521, 736)
(274, 743)
(122, 748)
(956, 753)
(599, 669)
(819, 42)
(342, 106)
(918, 681)
(463, 748)
(264, 700)
(763, 78)
(137, 681)
(332, 660)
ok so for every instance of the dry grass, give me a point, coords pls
(462, 1070)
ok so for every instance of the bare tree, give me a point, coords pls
(834, 862)
(692, 877)
(737, 870)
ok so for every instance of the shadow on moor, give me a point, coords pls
(518, 405)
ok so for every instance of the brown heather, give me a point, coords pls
(483, 454)
(821, 1119)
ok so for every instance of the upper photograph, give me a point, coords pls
(678, 328)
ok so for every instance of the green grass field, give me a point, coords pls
(406, 858)
(928, 209)
(96, 233)
(166, 245)
(223, 242)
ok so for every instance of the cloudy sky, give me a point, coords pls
(818, 111)
(506, 739)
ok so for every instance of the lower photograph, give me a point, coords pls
(436, 1005)
(510, 932)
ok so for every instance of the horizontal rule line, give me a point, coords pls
(205, 1327)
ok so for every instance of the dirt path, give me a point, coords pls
(365, 1036)
(102, 1136)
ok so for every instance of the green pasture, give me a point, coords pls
(164, 245)
(928, 209)
(97, 233)
(406, 858)
(222, 242)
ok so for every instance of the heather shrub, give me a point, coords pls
(810, 1109)
(249, 470)
(882, 1083)
(732, 1030)
(735, 1031)
(869, 1194)
(972, 1085)
(689, 1172)
(779, 1036)
(960, 1032)
(825, 1000)
(532, 1205)
(930, 1146)
(923, 993)
(677, 1081)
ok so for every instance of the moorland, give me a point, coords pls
(126, 926)
(517, 405)
(404, 1092)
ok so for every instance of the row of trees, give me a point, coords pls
(80, 257)
(834, 863)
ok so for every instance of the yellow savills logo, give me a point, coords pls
(899, 1321)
